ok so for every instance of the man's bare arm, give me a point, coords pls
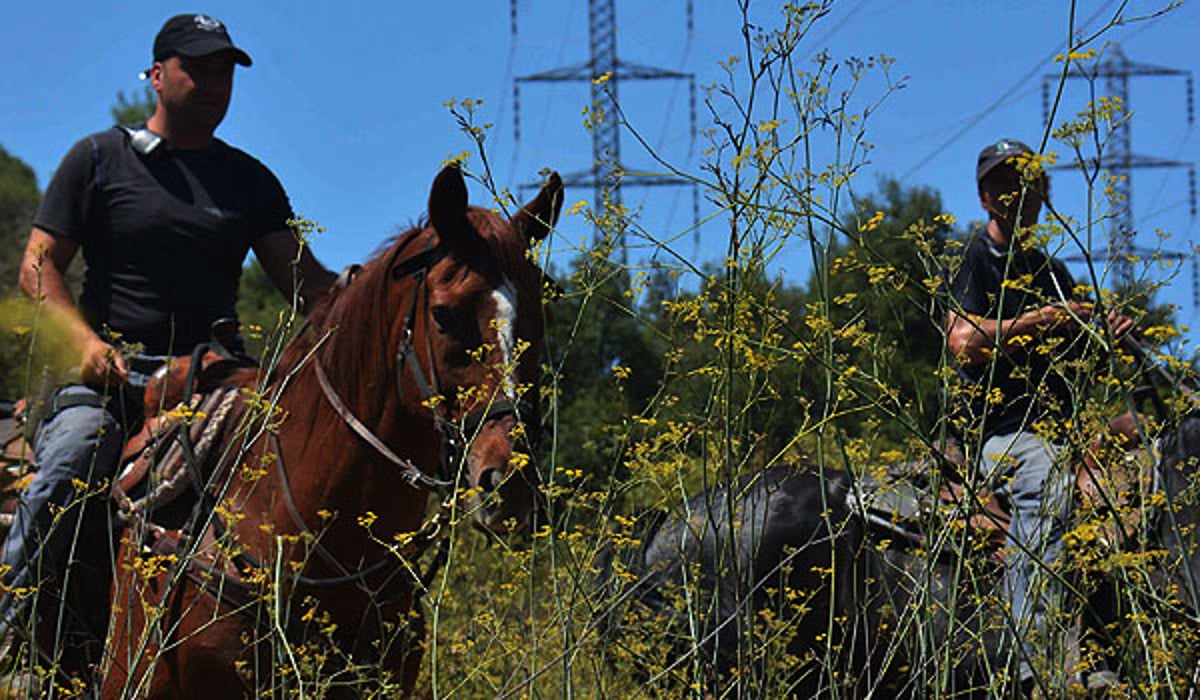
(43, 279)
(288, 264)
(972, 339)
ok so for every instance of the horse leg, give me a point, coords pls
(173, 643)
(131, 668)
(1099, 614)
(120, 668)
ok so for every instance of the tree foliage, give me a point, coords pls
(263, 311)
(605, 365)
(19, 198)
(882, 283)
(632, 354)
(133, 108)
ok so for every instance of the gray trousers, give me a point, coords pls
(1025, 469)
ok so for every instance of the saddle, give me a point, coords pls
(187, 407)
(153, 466)
(902, 499)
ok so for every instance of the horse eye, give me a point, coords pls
(443, 316)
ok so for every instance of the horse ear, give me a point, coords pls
(535, 219)
(448, 200)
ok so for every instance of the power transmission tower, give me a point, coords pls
(605, 71)
(1120, 161)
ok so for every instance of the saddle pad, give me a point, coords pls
(895, 506)
(163, 463)
(904, 503)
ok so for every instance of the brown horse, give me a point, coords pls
(417, 376)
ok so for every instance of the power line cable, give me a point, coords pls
(839, 26)
(974, 121)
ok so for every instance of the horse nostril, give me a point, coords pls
(490, 479)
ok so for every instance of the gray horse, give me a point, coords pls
(780, 583)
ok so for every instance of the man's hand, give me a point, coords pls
(1064, 316)
(1119, 324)
(43, 269)
(101, 365)
(1069, 316)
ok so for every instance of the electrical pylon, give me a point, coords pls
(1119, 159)
(605, 71)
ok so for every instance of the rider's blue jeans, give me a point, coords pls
(1027, 470)
(64, 511)
(77, 448)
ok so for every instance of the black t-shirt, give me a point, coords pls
(1029, 381)
(164, 235)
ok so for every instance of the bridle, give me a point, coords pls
(455, 437)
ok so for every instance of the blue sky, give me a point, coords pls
(345, 100)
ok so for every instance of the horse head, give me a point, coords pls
(474, 339)
(417, 372)
(434, 355)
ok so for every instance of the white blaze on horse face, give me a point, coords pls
(505, 297)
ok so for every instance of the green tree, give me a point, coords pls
(879, 291)
(860, 341)
(19, 198)
(134, 108)
(263, 311)
(606, 364)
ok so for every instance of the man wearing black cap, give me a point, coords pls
(1015, 317)
(164, 214)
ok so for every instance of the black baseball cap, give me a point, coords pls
(194, 35)
(999, 152)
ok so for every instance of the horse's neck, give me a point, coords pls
(317, 438)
